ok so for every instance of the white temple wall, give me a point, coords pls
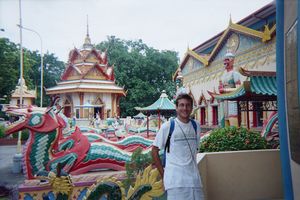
(75, 99)
(14, 101)
(107, 100)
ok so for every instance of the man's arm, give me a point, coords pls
(157, 162)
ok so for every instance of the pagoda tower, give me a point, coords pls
(28, 95)
(87, 87)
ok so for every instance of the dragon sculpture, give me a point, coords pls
(46, 146)
(130, 143)
(60, 186)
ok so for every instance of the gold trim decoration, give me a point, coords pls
(62, 91)
(105, 180)
(273, 29)
(197, 57)
(149, 177)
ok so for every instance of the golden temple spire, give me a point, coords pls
(87, 41)
(87, 25)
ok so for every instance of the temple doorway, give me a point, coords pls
(99, 111)
(99, 108)
(67, 108)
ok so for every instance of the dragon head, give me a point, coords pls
(35, 119)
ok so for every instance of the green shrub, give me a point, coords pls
(2, 132)
(232, 139)
(25, 135)
(3, 115)
(137, 164)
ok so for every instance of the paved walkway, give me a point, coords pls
(7, 178)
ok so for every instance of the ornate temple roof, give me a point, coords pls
(163, 103)
(87, 70)
(206, 52)
(25, 92)
(86, 86)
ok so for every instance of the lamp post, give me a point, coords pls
(42, 60)
(18, 156)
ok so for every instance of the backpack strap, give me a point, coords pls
(194, 125)
(172, 126)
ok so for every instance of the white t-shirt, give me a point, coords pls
(180, 169)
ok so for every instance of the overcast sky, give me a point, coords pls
(161, 24)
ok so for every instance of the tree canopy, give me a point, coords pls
(10, 69)
(142, 70)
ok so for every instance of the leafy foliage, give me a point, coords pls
(137, 165)
(232, 139)
(2, 131)
(9, 72)
(142, 70)
(10, 69)
(24, 135)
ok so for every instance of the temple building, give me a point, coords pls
(28, 96)
(87, 87)
(250, 45)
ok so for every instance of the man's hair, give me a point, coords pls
(184, 96)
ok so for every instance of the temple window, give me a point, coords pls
(18, 101)
(202, 116)
(215, 115)
(77, 112)
(86, 113)
(257, 114)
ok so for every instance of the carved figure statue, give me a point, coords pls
(46, 146)
(230, 80)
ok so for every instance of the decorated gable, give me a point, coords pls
(92, 57)
(237, 43)
(72, 73)
(96, 74)
(191, 65)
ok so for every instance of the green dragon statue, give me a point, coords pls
(46, 146)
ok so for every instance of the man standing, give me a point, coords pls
(180, 176)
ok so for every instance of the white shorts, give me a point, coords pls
(185, 193)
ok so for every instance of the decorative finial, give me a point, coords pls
(230, 20)
(87, 25)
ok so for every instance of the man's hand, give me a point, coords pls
(157, 162)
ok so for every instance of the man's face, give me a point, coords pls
(184, 108)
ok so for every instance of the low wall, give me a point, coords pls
(241, 175)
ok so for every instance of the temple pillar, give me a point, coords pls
(265, 116)
(206, 115)
(81, 98)
(113, 105)
(210, 118)
(244, 119)
(251, 115)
